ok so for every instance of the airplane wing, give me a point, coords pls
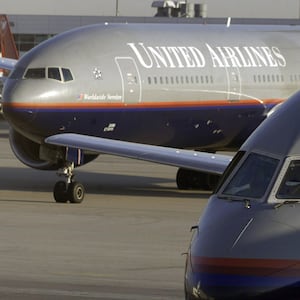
(7, 63)
(199, 161)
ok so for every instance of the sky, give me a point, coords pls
(216, 8)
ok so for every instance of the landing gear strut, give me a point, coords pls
(68, 190)
(194, 180)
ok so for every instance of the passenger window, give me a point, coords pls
(67, 74)
(53, 73)
(35, 73)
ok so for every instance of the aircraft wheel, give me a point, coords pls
(60, 192)
(190, 179)
(182, 179)
(194, 180)
(76, 192)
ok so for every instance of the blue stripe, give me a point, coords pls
(149, 109)
(226, 280)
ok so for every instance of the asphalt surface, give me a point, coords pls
(125, 241)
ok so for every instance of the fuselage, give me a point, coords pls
(189, 86)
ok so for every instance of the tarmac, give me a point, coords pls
(126, 240)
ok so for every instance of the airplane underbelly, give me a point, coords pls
(189, 127)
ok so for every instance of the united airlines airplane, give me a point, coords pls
(118, 87)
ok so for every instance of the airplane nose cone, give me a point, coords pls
(16, 110)
(244, 253)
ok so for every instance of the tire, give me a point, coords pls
(76, 192)
(182, 179)
(60, 192)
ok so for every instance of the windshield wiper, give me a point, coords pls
(278, 205)
(233, 199)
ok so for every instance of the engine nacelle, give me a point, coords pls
(42, 157)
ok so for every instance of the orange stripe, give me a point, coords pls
(140, 105)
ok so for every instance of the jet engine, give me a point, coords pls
(37, 156)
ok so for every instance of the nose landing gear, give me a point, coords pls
(68, 190)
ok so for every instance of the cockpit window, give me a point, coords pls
(54, 73)
(236, 159)
(67, 74)
(290, 186)
(35, 73)
(253, 177)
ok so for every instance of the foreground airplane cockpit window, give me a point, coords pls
(252, 179)
(290, 186)
(59, 74)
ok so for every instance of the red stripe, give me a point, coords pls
(247, 266)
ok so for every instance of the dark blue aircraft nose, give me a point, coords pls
(236, 254)
(211, 282)
(17, 115)
(220, 279)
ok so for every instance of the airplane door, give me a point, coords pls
(234, 83)
(130, 78)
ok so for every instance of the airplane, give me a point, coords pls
(186, 86)
(246, 244)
